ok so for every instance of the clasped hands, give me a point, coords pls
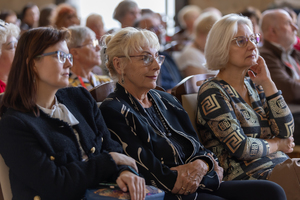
(190, 175)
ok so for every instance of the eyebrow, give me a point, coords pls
(156, 53)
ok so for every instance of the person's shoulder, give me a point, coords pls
(72, 93)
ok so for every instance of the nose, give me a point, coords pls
(295, 27)
(68, 63)
(251, 45)
(157, 66)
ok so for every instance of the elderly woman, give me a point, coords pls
(85, 49)
(191, 61)
(52, 138)
(243, 120)
(126, 13)
(8, 43)
(65, 15)
(154, 129)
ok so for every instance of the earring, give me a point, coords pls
(122, 79)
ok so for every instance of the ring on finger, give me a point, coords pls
(182, 188)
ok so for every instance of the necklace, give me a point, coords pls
(168, 133)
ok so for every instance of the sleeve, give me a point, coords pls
(123, 126)
(217, 115)
(30, 164)
(279, 116)
(282, 79)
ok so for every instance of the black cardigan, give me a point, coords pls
(43, 153)
(155, 155)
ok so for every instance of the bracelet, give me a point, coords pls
(206, 165)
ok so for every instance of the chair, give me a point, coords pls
(4, 180)
(100, 92)
(186, 92)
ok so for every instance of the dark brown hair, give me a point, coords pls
(20, 92)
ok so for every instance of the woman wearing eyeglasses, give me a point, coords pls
(85, 49)
(54, 139)
(8, 43)
(154, 129)
(243, 120)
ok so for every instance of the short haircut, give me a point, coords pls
(20, 93)
(204, 22)
(46, 14)
(78, 35)
(185, 11)
(92, 18)
(8, 30)
(62, 11)
(122, 8)
(6, 13)
(219, 39)
(126, 42)
(25, 8)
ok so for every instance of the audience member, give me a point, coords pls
(47, 13)
(85, 49)
(186, 18)
(169, 73)
(154, 129)
(9, 16)
(29, 17)
(191, 61)
(254, 15)
(283, 61)
(214, 10)
(95, 23)
(54, 139)
(65, 15)
(243, 120)
(126, 13)
(8, 43)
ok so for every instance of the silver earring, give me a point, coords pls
(122, 79)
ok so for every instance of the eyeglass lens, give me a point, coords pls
(63, 56)
(243, 41)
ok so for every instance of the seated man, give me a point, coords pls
(85, 49)
(281, 58)
(169, 73)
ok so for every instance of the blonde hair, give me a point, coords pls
(185, 12)
(204, 22)
(219, 39)
(126, 42)
(9, 29)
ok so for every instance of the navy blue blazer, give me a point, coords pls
(43, 153)
(154, 153)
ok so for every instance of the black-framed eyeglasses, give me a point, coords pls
(242, 41)
(61, 56)
(94, 43)
(148, 59)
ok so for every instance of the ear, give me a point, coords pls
(34, 66)
(118, 65)
(74, 53)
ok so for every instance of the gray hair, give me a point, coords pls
(219, 39)
(78, 35)
(185, 12)
(204, 22)
(122, 8)
(9, 29)
(126, 42)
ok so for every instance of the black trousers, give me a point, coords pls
(238, 190)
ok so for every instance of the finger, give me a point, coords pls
(121, 184)
(132, 190)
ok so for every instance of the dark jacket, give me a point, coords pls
(43, 153)
(154, 153)
(281, 74)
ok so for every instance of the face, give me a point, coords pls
(139, 77)
(243, 57)
(285, 30)
(130, 17)
(12, 19)
(7, 54)
(190, 19)
(154, 25)
(70, 19)
(32, 16)
(87, 55)
(52, 74)
(98, 28)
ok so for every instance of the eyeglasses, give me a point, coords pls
(242, 41)
(62, 56)
(94, 43)
(3, 23)
(148, 59)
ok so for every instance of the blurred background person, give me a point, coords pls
(254, 15)
(191, 61)
(8, 42)
(127, 12)
(169, 73)
(95, 23)
(186, 18)
(65, 15)
(46, 14)
(85, 49)
(9, 16)
(29, 17)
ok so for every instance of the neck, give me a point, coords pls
(81, 71)
(227, 73)
(45, 96)
(198, 45)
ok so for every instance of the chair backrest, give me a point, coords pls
(189, 85)
(4, 180)
(186, 92)
(100, 92)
